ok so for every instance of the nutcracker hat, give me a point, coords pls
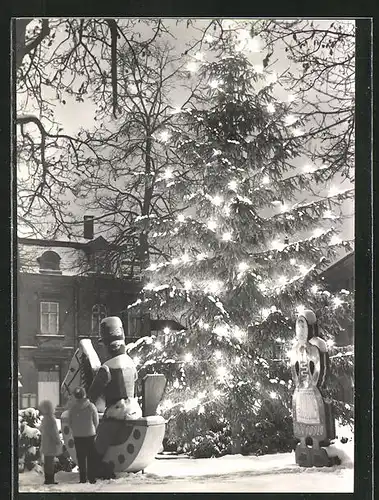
(310, 316)
(112, 331)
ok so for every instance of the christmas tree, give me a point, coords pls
(247, 250)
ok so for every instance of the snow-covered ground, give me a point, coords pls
(232, 473)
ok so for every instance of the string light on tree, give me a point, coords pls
(266, 180)
(314, 288)
(175, 261)
(233, 185)
(293, 262)
(164, 136)
(227, 236)
(330, 343)
(181, 218)
(300, 309)
(242, 267)
(337, 302)
(201, 256)
(186, 258)
(270, 108)
(166, 330)
(188, 357)
(273, 395)
(168, 174)
(212, 225)
(215, 84)
(218, 354)
(188, 285)
(217, 200)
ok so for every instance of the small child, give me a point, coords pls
(51, 444)
(83, 420)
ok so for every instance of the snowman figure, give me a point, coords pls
(313, 421)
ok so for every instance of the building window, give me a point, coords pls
(99, 312)
(49, 262)
(49, 317)
(28, 400)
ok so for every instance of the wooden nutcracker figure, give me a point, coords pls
(313, 421)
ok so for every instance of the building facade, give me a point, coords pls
(62, 297)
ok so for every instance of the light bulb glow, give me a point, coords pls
(282, 280)
(212, 225)
(303, 269)
(222, 371)
(217, 200)
(158, 345)
(293, 262)
(166, 330)
(314, 288)
(330, 343)
(214, 84)
(164, 136)
(242, 267)
(227, 236)
(188, 285)
(337, 302)
(214, 286)
(201, 256)
(262, 287)
(186, 258)
(265, 312)
(218, 354)
(273, 395)
(300, 310)
(175, 261)
(270, 108)
(168, 174)
(266, 180)
(188, 357)
(232, 185)
(181, 218)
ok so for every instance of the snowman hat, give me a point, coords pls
(112, 331)
(310, 316)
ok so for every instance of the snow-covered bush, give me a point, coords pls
(29, 441)
(213, 444)
(29, 438)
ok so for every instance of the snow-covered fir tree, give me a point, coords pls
(247, 249)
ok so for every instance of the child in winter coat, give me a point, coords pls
(51, 444)
(83, 420)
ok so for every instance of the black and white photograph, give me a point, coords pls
(185, 208)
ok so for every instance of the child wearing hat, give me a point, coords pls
(50, 440)
(83, 420)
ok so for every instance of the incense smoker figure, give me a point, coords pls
(313, 421)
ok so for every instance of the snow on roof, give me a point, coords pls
(71, 262)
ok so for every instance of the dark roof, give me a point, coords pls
(340, 263)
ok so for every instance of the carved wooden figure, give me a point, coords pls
(313, 421)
